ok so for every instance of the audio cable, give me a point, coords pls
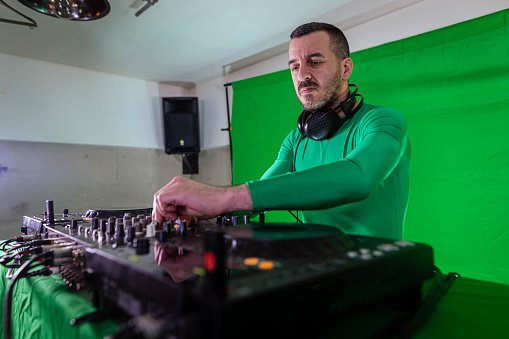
(30, 247)
(297, 220)
(55, 256)
(18, 239)
(21, 255)
(31, 243)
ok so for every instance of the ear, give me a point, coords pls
(347, 68)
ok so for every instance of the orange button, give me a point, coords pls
(266, 265)
(251, 261)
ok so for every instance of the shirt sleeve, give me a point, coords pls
(382, 142)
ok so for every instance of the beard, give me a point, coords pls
(330, 94)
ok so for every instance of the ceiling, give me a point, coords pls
(181, 42)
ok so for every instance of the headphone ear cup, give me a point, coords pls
(301, 122)
(322, 125)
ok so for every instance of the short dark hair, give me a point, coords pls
(339, 44)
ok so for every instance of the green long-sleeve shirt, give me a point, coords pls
(358, 180)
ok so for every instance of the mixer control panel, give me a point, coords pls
(228, 269)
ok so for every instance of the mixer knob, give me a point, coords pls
(95, 223)
(183, 228)
(103, 226)
(167, 227)
(246, 219)
(235, 220)
(127, 224)
(111, 226)
(261, 219)
(50, 212)
(144, 223)
(131, 234)
(151, 230)
(119, 230)
(74, 224)
(139, 229)
(162, 236)
(142, 246)
(65, 212)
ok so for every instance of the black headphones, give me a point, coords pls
(323, 125)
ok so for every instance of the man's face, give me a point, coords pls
(316, 72)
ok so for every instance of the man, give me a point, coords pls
(355, 179)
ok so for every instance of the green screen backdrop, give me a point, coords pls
(452, 85)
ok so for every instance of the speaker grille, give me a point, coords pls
(181, 125)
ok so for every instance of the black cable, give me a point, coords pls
(7, 306)
(5, 243)
(31, 243)
(13, 248)
(43, 271)
(6, 259)
(18, 239)
(294, 170)
(295, 216)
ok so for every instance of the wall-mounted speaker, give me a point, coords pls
(181, 125)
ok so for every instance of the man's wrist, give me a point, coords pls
(238, 198)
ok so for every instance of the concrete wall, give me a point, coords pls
(80, 177)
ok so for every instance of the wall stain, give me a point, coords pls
(21, 208)
(3, 169)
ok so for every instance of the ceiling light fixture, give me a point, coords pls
(32, 24)
(77, 10)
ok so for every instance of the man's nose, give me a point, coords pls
(303, 74)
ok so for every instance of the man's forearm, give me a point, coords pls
(238, 198)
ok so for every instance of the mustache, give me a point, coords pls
(307, 83)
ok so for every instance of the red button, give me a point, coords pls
(209, 261)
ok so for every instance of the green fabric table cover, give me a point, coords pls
(43, 307)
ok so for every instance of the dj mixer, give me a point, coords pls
(229, 277)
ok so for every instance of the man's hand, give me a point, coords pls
(183, 196)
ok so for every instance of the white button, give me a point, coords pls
(366, 256)
(364, 250)
(404, 243)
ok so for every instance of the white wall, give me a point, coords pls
(47, 102)
(41, 101)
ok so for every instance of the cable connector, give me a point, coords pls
(23, 238)
(61, 256)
